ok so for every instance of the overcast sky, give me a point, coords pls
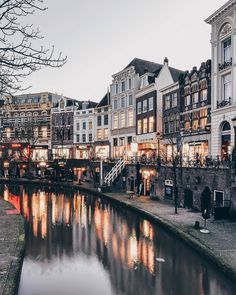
(100, 37)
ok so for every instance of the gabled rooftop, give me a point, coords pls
(142, 66)
(104, 101)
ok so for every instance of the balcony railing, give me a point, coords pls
(225, 65)
(223, 103)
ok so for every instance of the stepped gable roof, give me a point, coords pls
(104, 101)
(142, 66)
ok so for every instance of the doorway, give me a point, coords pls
(188, 199)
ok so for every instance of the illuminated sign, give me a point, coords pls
(16, 145)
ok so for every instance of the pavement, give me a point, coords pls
(12, 240)
(219, 246)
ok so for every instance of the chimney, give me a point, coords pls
(166, 61)
(194, 68)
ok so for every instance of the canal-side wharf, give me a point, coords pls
(12, 241)
(219, 246)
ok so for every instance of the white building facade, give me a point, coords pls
(223, 106)
(84, 130)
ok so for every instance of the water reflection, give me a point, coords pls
(80, 244)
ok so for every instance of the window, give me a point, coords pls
(84, 125)
(139, 107)
(90, 125)
(151, 124)
(44, 132)
(150, 103)
(8, 132)
(187, 125)
(167, 102)
(123, 86)
(77, 126)
(194, 124)
(122, 141)
(187, 100)
(84, 138)
(99, 120)
(203, 122)
(227, 50)
(122, 102)
(219, 198)
(174, 99)
(77, 138)
(226, 87)
(122, 117)
(117, 88)
(68, 134)
(144, 106)
(144, 82)
(130, 99)
(130, 83)
(99, 110)
(139, 126)
(90, 137)
(203, 94)
(130, 118)
(195, 97)
(106, 122)
(166, 127)
(99, 134)
(115, 104)
(105, 133)
(115, 121)
(145, 126)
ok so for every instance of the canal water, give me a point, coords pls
(82, 245)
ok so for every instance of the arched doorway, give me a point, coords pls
(188, 198)
(225, 140)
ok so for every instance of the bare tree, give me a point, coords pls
(18, 55)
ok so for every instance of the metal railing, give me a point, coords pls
(114, 172)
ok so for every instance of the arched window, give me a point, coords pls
(62, 104)
(226, 126)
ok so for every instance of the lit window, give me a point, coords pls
(90, 125)
(139, 107)
(194, 124)
(8, 132)
(150, 103)
(145, 126)
(130, 118)
(105, 133)
(99, 134)
(122, 117)
(187, 125)
(44, 132)
(115, 121)
(151, 124)
(144, 106)
(203, 122)
(139, 126)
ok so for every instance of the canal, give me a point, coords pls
(79, 244)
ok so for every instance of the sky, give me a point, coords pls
(100, 37)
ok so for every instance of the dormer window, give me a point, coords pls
(144, 81)
(62, 104)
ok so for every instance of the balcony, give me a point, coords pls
(225, 65)
(224, 102)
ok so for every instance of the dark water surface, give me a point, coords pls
(81, 245)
